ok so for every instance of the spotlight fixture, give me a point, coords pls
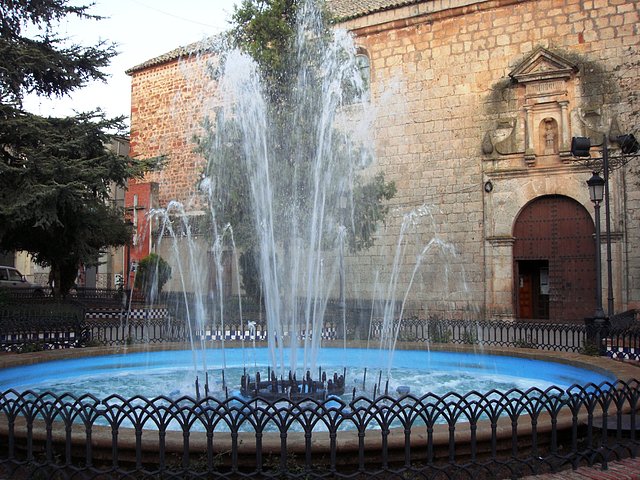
(580, 146)
(628, 144)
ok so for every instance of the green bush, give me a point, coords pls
(438, 331)
(151, 275)
(524, 343)
(590, 349)
(469, 337)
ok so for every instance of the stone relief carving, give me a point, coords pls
(548, 131)
(594, 123)
(543, 66)
(543, 82)
(502, 138)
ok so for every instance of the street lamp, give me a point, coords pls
(596, 186)
(629, 146)
(596, 189)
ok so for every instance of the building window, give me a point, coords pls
(364, 68)
(355, 88)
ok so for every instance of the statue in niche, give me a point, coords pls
(549, 136)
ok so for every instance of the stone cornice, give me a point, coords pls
(560, 169)
(501, 240)
(368, 23)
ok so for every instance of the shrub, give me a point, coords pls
(151, 275)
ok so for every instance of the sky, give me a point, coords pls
(142, 29)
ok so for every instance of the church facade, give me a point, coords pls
(478, 104)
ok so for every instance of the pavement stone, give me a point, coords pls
(627, 469)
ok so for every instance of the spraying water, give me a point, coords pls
(301, 186)
(299, 175)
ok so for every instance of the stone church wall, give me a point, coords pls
(453, 66)
(463, 140)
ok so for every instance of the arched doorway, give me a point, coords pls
(554, 260)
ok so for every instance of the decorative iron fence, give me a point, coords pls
(622, 338)
(39, 326)
(495, 333)
(476, 436)
(90, 319)
(139, 325)
(90, 297)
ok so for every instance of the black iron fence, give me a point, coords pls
(473, 435)
(494, 333)
(91, 297)
(107, 317)
(476, 436)
(41, 325)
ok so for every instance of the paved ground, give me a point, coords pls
(628, 469)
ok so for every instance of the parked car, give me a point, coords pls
(12, 278)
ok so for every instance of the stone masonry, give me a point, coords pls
(169, 102)
(478, 102)
(454, 60)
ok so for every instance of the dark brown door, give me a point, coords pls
(525, 296)
(554, 239)
(533, 289)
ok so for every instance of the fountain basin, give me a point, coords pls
(473, 437)
(173, 373)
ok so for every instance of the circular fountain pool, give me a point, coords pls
(173, 373)
(245, 435)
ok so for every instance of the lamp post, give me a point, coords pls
(629, 146)
(596, 186)
(127, 272)
(607, 222)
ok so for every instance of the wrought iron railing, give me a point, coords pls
(40, 326)
(135, 325)
(476, 436)
(495, 333)
(89, 297)
(80, 322)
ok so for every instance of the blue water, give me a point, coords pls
(172, 373)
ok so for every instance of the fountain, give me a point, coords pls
(306, 187)
(306, 170)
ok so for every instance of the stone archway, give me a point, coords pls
(554, 260)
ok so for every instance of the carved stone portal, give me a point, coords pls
(545, 80)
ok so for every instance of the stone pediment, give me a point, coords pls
(542, 65)
(543, 84)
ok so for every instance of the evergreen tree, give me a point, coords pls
(56, 175)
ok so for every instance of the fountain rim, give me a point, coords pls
(347, 440)
(603, 365)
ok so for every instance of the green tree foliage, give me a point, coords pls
(55, 174)
(152, 273)
(266, 30)
(42, 64)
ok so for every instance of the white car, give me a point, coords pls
(12, 278)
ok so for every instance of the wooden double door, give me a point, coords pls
(554, 260)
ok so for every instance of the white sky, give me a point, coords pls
(143, 29)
